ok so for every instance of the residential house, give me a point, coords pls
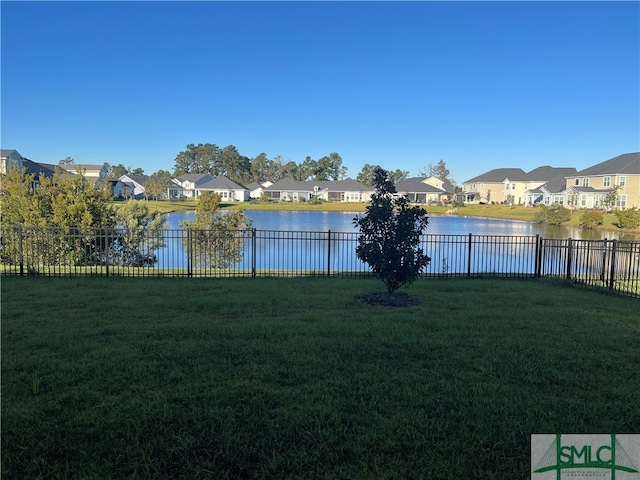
(175, 190)
(552, 192)
(129, 186)
(228, 190)
(498, 185)
(290, 190)
(348, 190)
(549, 177)
(426, 190)
(10, 159)
(589, 188)
(256, 189)
(190, 182)
(92, 173)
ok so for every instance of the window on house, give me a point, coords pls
(585, 182)
(576, 182)
(507, 187)
(606, 182)
(513, 186)
(623, 181)
(621, 201)
(583, 200)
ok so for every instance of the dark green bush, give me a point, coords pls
(553, 215)
(627, 218)
(591, 218)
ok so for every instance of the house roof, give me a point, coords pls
(72, 167)
(222, 183)
(346, 185)
(547, 173)
(556, 185)
(6, 152)
(349, 185)
(415, 185)
(196, 178)
(254, 186)
(626, 164)
(36, 169)
(499, 175)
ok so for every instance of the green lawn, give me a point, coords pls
(297, 378)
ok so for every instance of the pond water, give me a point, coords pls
(443, 225)
(299, 241)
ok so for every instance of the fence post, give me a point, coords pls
(253, 252)
(189, 254)
(569, 257)
(469, 257)
(329, 254)
(536, 268)
(612, 273)
(108, 244)
(20, 250)
(603, 275)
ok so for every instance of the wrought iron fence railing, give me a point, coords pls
(54, 251)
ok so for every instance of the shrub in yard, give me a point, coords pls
(553, 215)
(628, 218)
(591, 218)
(389, 239)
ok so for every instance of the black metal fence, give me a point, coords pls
(51, 251)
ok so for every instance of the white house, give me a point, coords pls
(129, 186)
(228, 190)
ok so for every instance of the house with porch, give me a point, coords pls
(227, 189)
(589, 188)
(546, 185)
(256, 189)
(190, 182)
(348, 190)
(426, 190)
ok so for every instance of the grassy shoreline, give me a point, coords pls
(502, 212)
(140, 378)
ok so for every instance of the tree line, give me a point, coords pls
(228, 161)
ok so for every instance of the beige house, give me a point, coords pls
(92, 173)
(498, 185)
(589, 188)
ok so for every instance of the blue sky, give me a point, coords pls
(481, 85)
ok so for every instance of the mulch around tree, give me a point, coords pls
(387, 299)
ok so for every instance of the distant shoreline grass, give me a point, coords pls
(297, 378)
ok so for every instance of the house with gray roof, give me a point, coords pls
(426, 190)
(498, 185)
(347, 190)
(589, 188)
(546, 185)
(190, 182)
(228, 190)
(129, 186)
(10, 159)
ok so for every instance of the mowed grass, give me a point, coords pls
(297, 378)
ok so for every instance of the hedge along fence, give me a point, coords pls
(54, 251)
